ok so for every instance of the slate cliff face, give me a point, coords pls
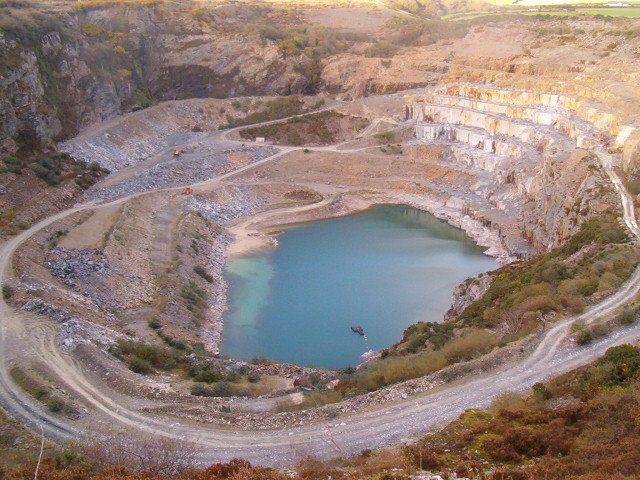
(61, 71)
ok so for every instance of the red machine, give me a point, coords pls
(187, 191)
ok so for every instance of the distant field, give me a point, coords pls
(536, 3)
(633, 12)
(628, 12)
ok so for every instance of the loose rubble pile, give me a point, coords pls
(207, 160)
(88, 272)
(72, 331)
(39, 306)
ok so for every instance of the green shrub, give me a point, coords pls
(279, 107)
(140, 365)
(13, 165)
(195, 299)
(203, 273)
(7, 292)
(541, 391)
(200, 390)
(92, 30)
(381, 49)
(155, 324)
(55, 405)
(471, 344)
(385, 137)
(261, 361)
(206, 374)
(220, 389)
(145, 358)
(619, 364)
(628, 315)
(223, 389)
(584, 337)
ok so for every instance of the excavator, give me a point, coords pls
(615, 149)
(187, 191)
(604, 140)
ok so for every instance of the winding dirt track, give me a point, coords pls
(385, 425)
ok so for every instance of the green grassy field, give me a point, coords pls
(625, 12)
(537, 3)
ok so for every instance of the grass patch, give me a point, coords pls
(40, 392)
(385, 137)
(54, 168)
(195, 299)
(398, 368)
(201, 271)
(275, 109)
(7, 292)
(320, 128)
(145, 358)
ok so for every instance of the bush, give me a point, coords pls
(203, 273)
(628, 315)
(155, 324)
(469, 345)
(279, 107)
(48, 169)
(261, 361)
(13, 165)
(223, 389)
(541, 391)
(140, 365)
(584, 337)
(620, 364)
(206, 374)
(195, 298)
(7, 292)
(220, 389)
(55, 405)
(381, 49)
(200, 390)
(385, 137)
(143, 358)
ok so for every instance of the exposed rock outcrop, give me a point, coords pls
(468, 292)
(77, 67)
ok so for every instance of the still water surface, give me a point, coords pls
(383, 269)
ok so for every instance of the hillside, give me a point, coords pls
(157, 158)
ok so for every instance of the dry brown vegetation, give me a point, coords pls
(580, 425)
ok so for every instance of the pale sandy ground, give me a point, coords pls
(91, 233)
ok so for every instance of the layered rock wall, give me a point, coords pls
(536, 166)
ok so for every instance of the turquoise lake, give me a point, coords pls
(383, 269)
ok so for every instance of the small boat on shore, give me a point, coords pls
(357, 329)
